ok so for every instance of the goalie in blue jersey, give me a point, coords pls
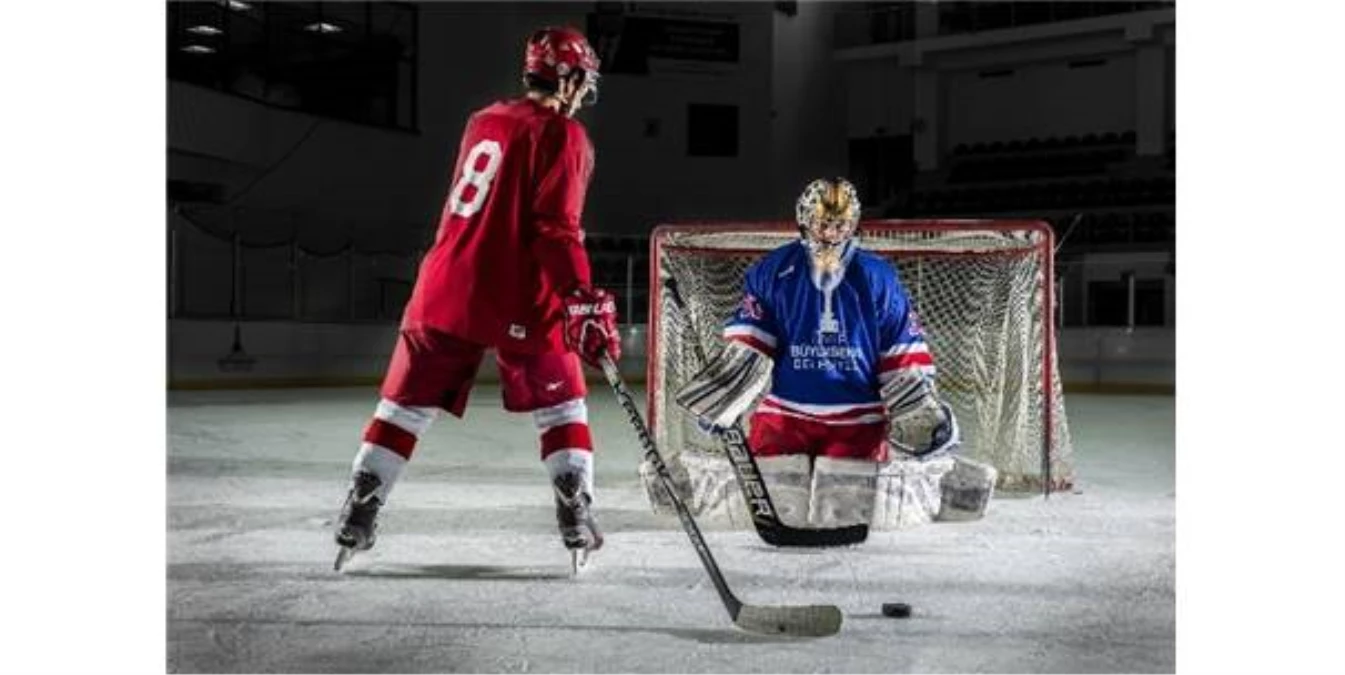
(827, 331)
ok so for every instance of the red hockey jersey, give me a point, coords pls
(509, 240)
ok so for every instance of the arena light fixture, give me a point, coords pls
(238, 5)
(198, 49)
(204, 29)
(323, 28)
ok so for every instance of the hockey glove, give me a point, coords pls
(590, 325)
(724, 389)
(919, 425)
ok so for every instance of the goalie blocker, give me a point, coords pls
(727, 386)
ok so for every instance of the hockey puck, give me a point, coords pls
(896, 610)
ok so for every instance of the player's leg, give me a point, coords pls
(551, 387)
(429, 371)
(845, 475)
(782, 446)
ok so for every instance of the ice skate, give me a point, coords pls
(356, 530)
(578, 530)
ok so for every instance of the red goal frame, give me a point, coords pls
(1044, 246)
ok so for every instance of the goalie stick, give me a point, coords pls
(796, 620)
(764, 516)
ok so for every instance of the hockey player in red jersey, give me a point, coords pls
(508, 272)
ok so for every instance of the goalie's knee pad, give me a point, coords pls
(789, 481)
(966, 490)
(908, 492)
(842, 492)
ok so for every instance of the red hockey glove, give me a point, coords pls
(590, 325)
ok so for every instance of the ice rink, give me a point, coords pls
(469, 575)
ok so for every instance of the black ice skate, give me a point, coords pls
(356, 530)
(578, 530)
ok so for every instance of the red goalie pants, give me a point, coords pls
(432, 368)
(776, 434)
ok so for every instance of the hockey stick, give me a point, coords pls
(798, 621)
(764, 516)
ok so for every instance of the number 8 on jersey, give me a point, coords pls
(478, 179)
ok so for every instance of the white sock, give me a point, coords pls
(563, 462)
(381, 462)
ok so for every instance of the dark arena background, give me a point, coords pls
(1017, 161)
(310, 147)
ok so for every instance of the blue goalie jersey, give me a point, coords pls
(834, 338)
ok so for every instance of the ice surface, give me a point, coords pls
(469, 574)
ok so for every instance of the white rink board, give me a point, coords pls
(469, 576)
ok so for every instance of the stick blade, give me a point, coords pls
(807, 538)
(800, 621)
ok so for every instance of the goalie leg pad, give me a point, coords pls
(789, 481)
(908, 492)
(842, 492)
(704, 482)
(655, 491)
(966, 490)
(713, 487)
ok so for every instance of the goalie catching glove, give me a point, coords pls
(723, 390)
(590, 325)
(918, 423)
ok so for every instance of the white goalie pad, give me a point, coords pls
(722, 391)
(789, 481)
(899, 494)
(842, 492)
(705, 483)
(908, 492)
(967, 490)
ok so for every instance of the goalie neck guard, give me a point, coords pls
(828, 216)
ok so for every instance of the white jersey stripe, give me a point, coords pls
(886, 376)
(841, 410)
(907, 348)
(871, 418)
(750, 331)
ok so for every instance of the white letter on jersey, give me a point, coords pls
(477, 179)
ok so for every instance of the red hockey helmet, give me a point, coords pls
(555, 52)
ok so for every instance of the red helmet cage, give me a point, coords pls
(555, 52)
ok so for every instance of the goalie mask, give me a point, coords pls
(828, 217)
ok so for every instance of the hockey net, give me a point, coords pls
(984, 293)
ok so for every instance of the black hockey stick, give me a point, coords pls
(764, 516)
(798, 621)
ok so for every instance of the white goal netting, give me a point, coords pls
(984, 292)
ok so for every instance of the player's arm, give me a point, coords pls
(565, 159)
(565, 164)
(724, 388)
(919, 423)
